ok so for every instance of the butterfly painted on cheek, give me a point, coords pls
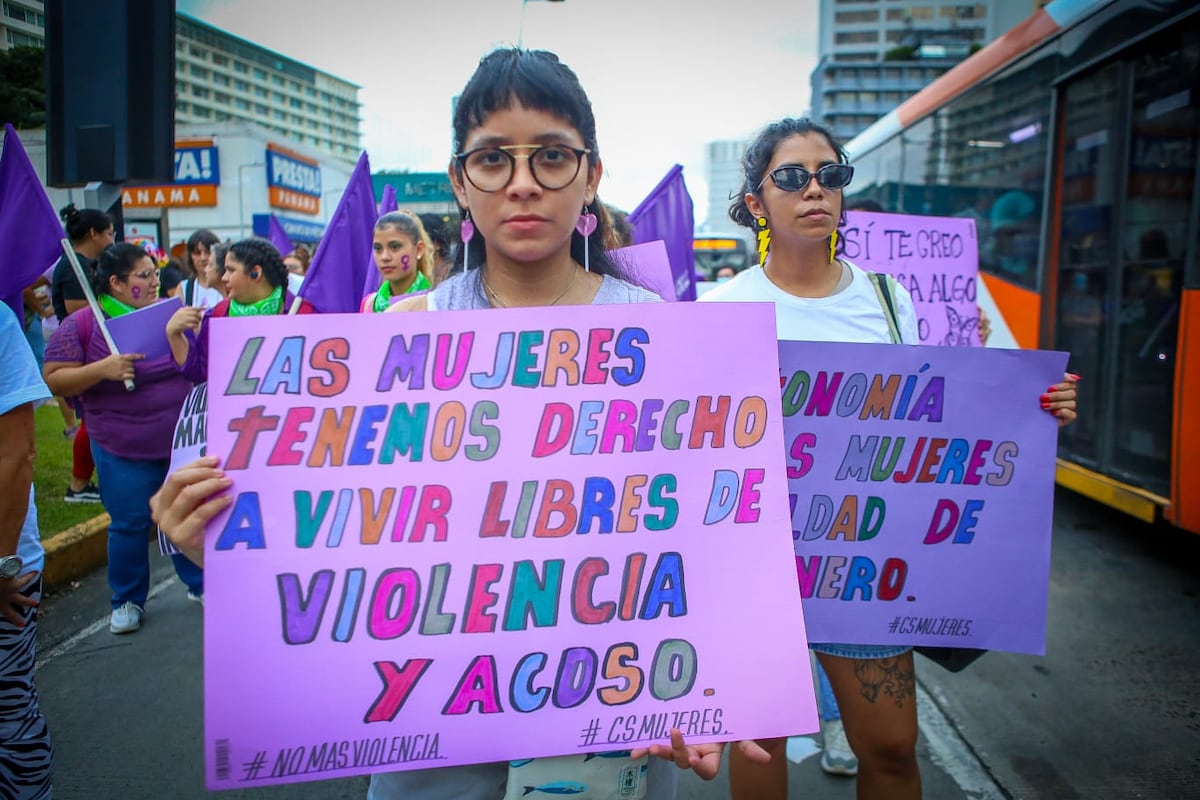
(964, 331)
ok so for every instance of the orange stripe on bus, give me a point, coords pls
(1020, 307)
(1020, 39)
(1184, 510)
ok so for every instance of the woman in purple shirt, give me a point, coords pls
(131, 430)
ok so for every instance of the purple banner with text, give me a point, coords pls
(474, 537)
(922, 487)
(935, 258)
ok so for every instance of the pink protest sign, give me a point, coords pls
(647, 265)
(935, 258)
(922, 483)
(482, 536)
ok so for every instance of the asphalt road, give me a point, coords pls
(1112, 710)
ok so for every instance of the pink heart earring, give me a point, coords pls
(586, 226)
(467, 232)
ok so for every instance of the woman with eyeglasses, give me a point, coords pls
(792, 195)
(404, 256)
(131, 431)
(525, 173)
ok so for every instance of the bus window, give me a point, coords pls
(716, 252)
(1165, 125)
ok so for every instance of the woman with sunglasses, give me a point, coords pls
(131, 430)
(794, 176)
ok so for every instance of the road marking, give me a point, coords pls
(950, 752)
(71, 643)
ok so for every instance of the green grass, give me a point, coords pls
(52, 473)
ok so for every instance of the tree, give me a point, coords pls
(902, 53)
(23, 87)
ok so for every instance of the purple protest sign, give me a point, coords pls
(922, 485)
(482, 536)
(648, 266)
(935, 258)
(145, 330)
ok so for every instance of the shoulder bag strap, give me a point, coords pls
(883, 290)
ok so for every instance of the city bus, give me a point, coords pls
(714, 252)
(1072, 142)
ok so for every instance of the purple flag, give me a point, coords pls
(666, 214)
(30, 233)
(386, 206)
(279, 237)
(337, 274)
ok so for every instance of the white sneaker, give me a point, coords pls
(836, 756)
(126, 618)
(195, 598)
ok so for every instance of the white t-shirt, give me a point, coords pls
(201, 296)
(851, 315)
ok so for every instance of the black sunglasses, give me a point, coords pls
(793, 179)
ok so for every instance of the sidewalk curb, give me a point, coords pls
(75, 552)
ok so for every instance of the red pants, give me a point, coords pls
(82, 466)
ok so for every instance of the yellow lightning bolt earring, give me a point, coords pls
(764, 240)
(832, 246)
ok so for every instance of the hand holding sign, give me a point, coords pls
(703, 759)
(188, 500)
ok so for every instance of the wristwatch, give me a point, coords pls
(10, 566)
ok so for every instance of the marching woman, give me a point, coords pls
(131, 431)
(256, 279)
(404, 256)
(794, 176)
(525, 172)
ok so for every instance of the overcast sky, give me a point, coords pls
(664, 76)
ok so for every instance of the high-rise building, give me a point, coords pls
(22, 24)
(874, 54)
(220, 77)
(723, 173)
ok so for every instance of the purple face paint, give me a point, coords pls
(136, 291)
(404, 263)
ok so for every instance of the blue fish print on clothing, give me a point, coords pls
(612, 754)
(558, 787)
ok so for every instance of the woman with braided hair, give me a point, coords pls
(256, 279)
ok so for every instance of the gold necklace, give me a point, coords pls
(496, 302)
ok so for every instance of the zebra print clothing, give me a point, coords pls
(26, 761)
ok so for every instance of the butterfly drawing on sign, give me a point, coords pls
(962, 331)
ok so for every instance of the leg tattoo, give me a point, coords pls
(887, 676)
